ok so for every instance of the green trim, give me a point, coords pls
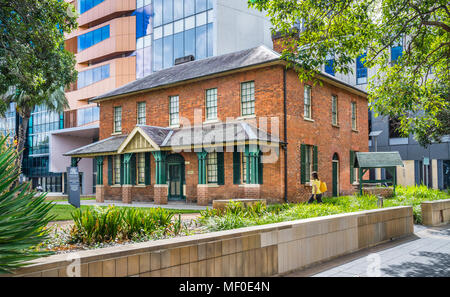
(202, 167)
(147, 169)
(302, 164)
(99, 161)
(161, 168)
(236, 166)
(352, 162)
(110, 170)
(315, 159)
(220, 168)
(132, 167)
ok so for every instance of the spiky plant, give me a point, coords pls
(23, 215)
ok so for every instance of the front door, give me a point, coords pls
(175, 182)
(335, 178)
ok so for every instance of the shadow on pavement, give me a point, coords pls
(438, 265)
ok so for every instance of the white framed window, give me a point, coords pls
(211, 104)
(354, 116)
(140, 167)
(308, 162)
(211, 167)
(334, 110)
(141, 119)
(307, 102)
(116, 168)
(174, 110)
(248, 98)
(118, 119)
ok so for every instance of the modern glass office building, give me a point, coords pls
(8, 124)
(36, 154)
(171, 29)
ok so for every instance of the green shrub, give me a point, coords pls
(236, 215)
(99, 225)
(23, 216)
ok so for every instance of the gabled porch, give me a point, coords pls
(217, 161)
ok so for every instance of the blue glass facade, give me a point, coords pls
(91, 38)
(91, 76)
(88, 115)
(170, 29)
(8, 124)
(396, 51)
(361, 70)
(329, 67)
(36, 157)
(85, 5)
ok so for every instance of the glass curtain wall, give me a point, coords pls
(9, 122)
(36, 158)
(170, 29)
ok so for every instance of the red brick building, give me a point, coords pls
(239, 125)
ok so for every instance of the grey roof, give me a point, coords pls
(197, 69)
(108, 145)
(218, 133)
(157, 134)
(378, 159)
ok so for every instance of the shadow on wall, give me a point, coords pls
(434, 265)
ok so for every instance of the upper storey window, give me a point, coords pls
(396, 51)
(248, 98)
(361, 70)
(92, 38)
(85, 5)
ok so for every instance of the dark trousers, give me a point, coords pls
(318, 197)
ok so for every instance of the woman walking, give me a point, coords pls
(316, 193)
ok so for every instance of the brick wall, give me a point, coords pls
(269, 103)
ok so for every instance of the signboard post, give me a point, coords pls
(73, 182)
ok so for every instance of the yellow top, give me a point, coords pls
(315, 184)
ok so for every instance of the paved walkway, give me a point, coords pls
(171, 204)
(425, 254)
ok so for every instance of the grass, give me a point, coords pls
(64, 212)
(64, 200)
(236, 216)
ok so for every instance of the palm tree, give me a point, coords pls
(54, 100)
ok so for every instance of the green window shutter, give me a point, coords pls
(220, 169)
(302, 163)
(352, 172)
(133, 169)
(121, 169)
(236, 167)
(260, 170)
(110, 170)
(315, 163)
(147, 169)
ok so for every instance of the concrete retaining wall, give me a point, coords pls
(268, 250)
(435, 213)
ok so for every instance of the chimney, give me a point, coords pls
(280, 40)
(185, 59)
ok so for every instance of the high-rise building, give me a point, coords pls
(119, 41)
(429, 166)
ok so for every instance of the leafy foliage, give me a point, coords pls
(99, 225)
(23, 216)
(236, 215)
(34, 66)
(414, 88)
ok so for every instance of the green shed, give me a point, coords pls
(371, 160)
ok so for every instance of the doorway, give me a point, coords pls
(335, 169)
(175, 170)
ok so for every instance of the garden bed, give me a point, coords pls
(103, 227)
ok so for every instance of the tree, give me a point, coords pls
(34, 66)
(23, 216)
(414, 88)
